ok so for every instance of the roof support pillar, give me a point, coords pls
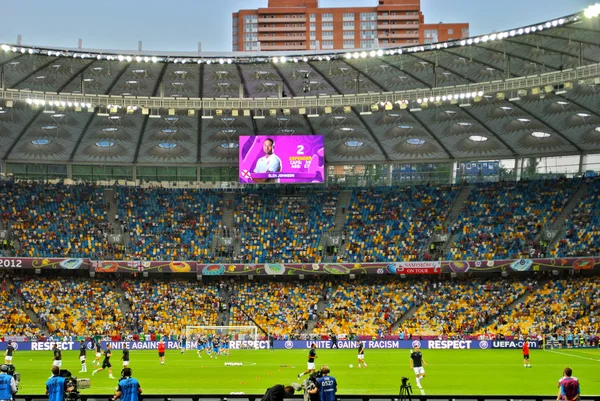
(582, 163)
(453, 172)
(518, 168)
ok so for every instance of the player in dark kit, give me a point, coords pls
(361, 354)
(8, 354)
(310, 366)
(183, 344)
(416, 364)
(82, 356)
(125, 357)
(98, 354)
(106, 363)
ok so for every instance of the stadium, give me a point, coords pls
(441, 195)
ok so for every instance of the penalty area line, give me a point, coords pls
(574, 355)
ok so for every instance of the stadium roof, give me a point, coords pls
(531, 91)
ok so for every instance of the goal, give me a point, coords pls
(245, 337)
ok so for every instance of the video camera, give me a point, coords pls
(10, 370)
(73, 385)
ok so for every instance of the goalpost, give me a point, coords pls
(246, 337)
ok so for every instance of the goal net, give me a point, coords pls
(239, 337)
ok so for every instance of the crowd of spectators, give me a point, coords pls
(281, 308)
(582, 236)
(54, 219)
(73, 306)
(283, 228)
(498, 221)
(14, 321)
(501, 220)
(561, 307)
(169, 224)
(392, 224)
(366, 306)
(168, 306)
(462, 306)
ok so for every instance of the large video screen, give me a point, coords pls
(282, 159)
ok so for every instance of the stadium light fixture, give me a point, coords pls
(592, 11)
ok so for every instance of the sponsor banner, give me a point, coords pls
(136, 266)
(274, 269)
(515, 344)
(488, 266)
(388, 344)
(45, 263)
(417, 267)
(75, 345)
(280, 344)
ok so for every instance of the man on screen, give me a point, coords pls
(269, 163)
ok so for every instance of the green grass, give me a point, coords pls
(448, 372)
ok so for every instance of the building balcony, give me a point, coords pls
(399, 36)
(282, 29)
(397, 17)
(281, 20)
(283, 38)
(398, 26)
(283, 47)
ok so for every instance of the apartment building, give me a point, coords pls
(302, 25)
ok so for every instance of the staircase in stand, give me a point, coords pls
(452, 218)
(409, 313)
(321, 306)
(30, 313)
(340, 217)
(111, 202)
(558, 228)
(228, 198)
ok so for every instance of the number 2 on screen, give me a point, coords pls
(300, 150)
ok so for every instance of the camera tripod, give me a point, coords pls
(405, 392)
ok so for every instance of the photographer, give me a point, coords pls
(277, 393)
(8, 385)
(55, 386)
(327, 385)
(129, 388)
(311, 387)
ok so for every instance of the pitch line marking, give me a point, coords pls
(576, 356)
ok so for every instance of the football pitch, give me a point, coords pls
(492, 372)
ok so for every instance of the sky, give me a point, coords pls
(179, 25)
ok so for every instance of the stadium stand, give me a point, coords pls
(167, 306)
(169, 224)
(501, 220)
(559, 307)
(367, 306)
(74, 306)
(582, 236)
(13, 319)
(462, 307)
(283, 228)
(391, 224)
(54, 219)
(281, 308)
